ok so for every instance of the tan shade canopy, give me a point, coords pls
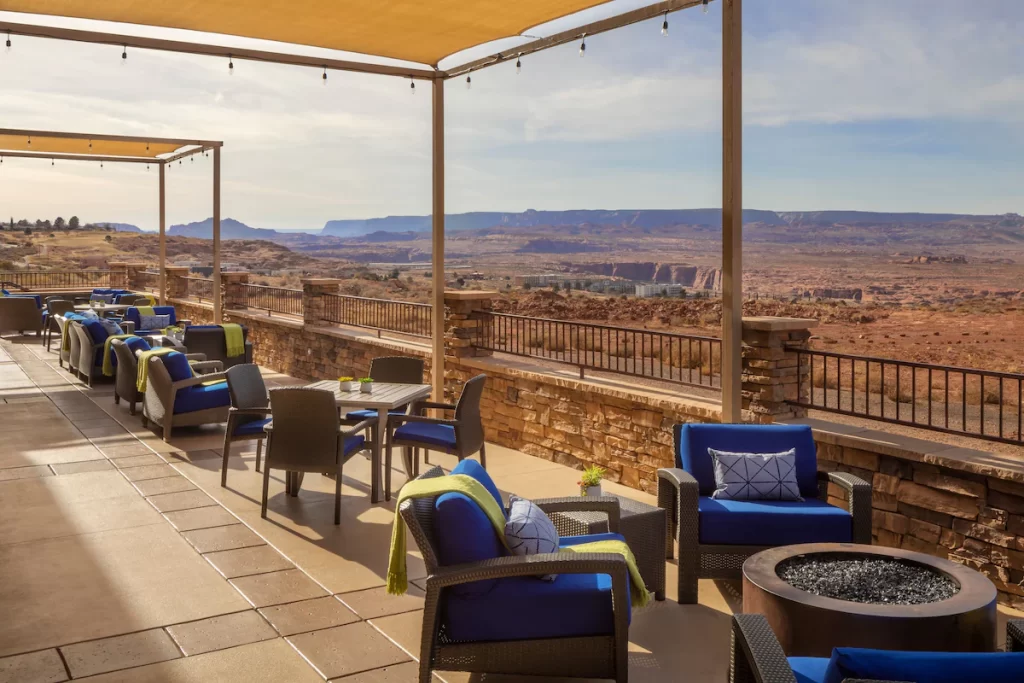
(424, 31)
(100, 147)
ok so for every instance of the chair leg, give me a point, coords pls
(167, 428)
(266, 486)
(337, 497)
(483, 456)
(131, 410)
(387, 474)
(259, 452)
(117, 399)
(224, 464)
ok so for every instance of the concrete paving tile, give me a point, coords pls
(222, 537)
(200, 518)
(248, 561)
(119, 652)
(218, 633)
(114, 430)
(44, 666)
(32, 472)
(308, 615)
(137, 460)
(270, 660)
(80, 467)
(153, 487)
(348, 649)
(149, 472)
(183, 500)
(408, 672)
(24, 454)
(277, 588)
(126, 450)
(375, 602)
(194, 456)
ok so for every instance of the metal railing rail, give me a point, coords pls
(978, 403)
(668, 356)
(405, 317)
(56, 279)
(273, 299)
(199, 288)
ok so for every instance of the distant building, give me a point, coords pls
(647, 291)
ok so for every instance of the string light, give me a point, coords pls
(519, 63)
(469, 82)
(101, 164)
(325, 76)
(705, 3)
(412, 85)
(8, 48)
(124, 55)
(664, 25)
(231, 66)
(30, 140)
(583, 45)
(51, 162)
(147, 167)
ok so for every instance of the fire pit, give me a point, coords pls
(823, 595)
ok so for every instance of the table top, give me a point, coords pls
(384, 395)
(627, 508)
(104, 307)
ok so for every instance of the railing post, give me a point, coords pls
(118, 274)
(773, 373)
(313, 290)
(177, 285)
(134, 280)
(465, 321)
(233, 295)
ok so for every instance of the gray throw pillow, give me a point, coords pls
(154, 322)
(528, 531)
(755, 476)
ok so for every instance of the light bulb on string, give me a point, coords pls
(705, 6)
(124, 55)
(51, 162)
(30, 141)
(469, 82)
(324, 80)
(412, 85)
(583, 46)
(231, 66)
(664, 25)
(8, 48)
(519, 63)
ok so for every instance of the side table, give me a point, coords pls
(643, 527)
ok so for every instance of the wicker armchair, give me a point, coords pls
(74, 344)
(685, 489)
(590, 656)
(166, 404)
(20, 314)
(757, 656)
(89, 361)
(462, 436)
(55, 308)
(306, 435)
(127, 371)
(209, 339)
(250, 406)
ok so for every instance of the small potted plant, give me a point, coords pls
(348, 383)
(366, 385)
(174, 332)
(590, 481)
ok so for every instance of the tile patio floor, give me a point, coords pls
(123, 559)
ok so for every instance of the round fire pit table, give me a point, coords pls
(883, 598)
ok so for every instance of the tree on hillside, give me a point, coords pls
(59, 223)
(73, 223)
(28, 231)
(108, 238)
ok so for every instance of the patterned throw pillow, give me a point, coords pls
(528, 531)
(111, 327)
(755, 476)
(154, 322)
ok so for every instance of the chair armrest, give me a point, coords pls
(184, 322)
(529, 565)
(128, 326)
(249, 411)
(398, 419)
(858, 502)
(757, 656)
(193, 381)
(678, 494)
(606, 504)
(206, 366)
(432, 404)
(1015, 635)
(353, 430)
(196, 356)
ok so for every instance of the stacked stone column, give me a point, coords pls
(466, 317)
(233, 291)
(773, 374)
(313, 290)
(118, 274)
(133, 280)
(177, 285)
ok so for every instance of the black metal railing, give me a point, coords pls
(199, 288)
(405, 317)
(273, 299)
(681, 358)
(42, 280)
(148, 279)
(977, 403)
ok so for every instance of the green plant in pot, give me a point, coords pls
(348, 383)
(590, 480)
(366, 385)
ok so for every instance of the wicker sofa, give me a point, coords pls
(757, 657)
(20, 314)
(716, 536)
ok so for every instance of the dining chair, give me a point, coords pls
(250, 410)
(55, 307)
(391, 370)
(306, 435)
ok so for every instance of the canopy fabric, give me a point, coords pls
(55, 144)
(423, 31)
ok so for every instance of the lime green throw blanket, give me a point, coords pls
(234, 339)
(108, 365)
(398, 579)
(140, 380)
(145, 310)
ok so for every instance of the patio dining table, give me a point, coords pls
(105, 308)
(385, 397)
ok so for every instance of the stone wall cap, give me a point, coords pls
(320, 281)
(117, 263)
(469, 294)
(772, 324)
(233, 274)
(178, 268)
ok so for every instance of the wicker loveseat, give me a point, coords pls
(487, 612)
(716, 536)
(210, 340)
(21, 314)
(177, 397)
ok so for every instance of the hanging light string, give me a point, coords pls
(705, 6)
(583, 45)
(231, 66)
(519, 63)
(8, 48)
(325, 75)
(469, 82)
(412, 85)
(664, 25)
(124, 55)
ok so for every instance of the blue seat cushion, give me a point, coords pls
(526, 607)
(360, 415)
(472, 468)
(772, 522)
(925, 667)
(177, 366)
(353, 443)
(96, 331)
(442, 436)
(808, 669)
(693, 441)
(253, 427)
(201, 397)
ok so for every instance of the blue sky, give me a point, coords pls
(916, 105)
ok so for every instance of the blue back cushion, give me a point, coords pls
(925, 667)
(177, 366)
(693, 441)
(96, 331)
(137, 344)
(472, 468)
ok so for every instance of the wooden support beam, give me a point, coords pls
(732, 209)
(79, 157)
(163, 235)
(437, 243)
(217, 294)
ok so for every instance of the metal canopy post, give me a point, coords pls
(437, 243)
(163, 234)
(216, 237)
(732, 209)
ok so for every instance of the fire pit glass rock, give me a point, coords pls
(872, 580)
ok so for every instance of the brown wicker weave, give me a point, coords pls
(394, 370)
(590, 657)
(20, 314)
(212, 342)
(158, 401)
(126, 374)
(757, 657)
(249, 401)
(678, 493)
(85, 367)
(55, 307)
